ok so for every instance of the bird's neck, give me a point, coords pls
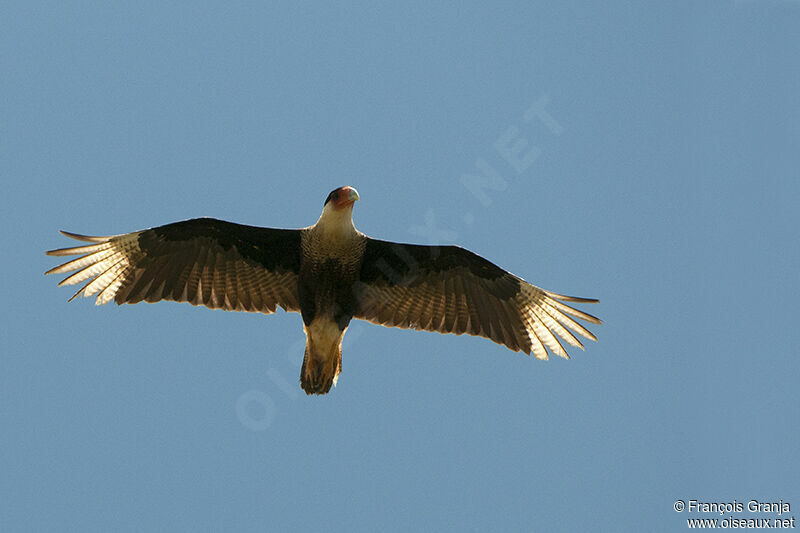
(335, 224)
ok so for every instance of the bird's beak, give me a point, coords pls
(347, 197)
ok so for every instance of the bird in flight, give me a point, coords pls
(330, 273)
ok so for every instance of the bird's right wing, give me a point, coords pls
(451, 290)
(203, 261)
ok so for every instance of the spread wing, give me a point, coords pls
(202, 261)
(452, 290)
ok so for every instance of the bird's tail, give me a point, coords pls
(320, 371)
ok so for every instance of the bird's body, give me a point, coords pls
(330, 273)
(332, 250)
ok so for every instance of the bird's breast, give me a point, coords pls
(319, 246)
(327, 275)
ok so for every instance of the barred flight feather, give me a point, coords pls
(151, 266)
(451, 290)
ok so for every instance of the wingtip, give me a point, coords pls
(84, 238)
(578, 299)
(593, 319)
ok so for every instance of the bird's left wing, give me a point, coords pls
(451, 290)
(203, 261)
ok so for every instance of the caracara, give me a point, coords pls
(330, 273)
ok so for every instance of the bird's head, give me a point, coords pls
(337, 213)
(341, 198)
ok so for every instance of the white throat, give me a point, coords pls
(335, 224)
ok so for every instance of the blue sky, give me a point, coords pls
(659, 174)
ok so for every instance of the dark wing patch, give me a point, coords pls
(452, 290)
(203, 261)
